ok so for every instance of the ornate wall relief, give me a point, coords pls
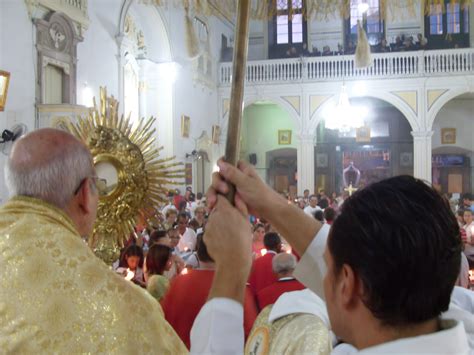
(57, 48)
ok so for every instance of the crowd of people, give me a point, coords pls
(372, 272)
(400, 43)
(173, 264)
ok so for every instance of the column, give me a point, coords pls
(305, 162)
(422, 154)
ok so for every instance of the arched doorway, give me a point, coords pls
(453, 147)
(281, 172)
(380, 148)
(268, 142)
(146, 69)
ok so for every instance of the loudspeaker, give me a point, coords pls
(253, 158)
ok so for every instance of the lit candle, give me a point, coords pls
(185, 271)
(263, 251)
(130, 275)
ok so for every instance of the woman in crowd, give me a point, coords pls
(257, 243)
(199, 217)
(132, 261)
(158, 260)
(177, 262)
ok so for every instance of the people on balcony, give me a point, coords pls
(422, 42)
(383, 47)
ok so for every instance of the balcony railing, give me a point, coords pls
(385, 65)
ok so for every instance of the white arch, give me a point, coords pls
(441, 102)
(392, 99)
(282, 104)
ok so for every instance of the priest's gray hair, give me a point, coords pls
(55, 179)
(283, 263)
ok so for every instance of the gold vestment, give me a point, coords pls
(56, 296)
(297, 333)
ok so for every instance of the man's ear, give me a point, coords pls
(84, 196)
(349, 286)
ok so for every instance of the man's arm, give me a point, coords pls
(218, 328)
(292, 223)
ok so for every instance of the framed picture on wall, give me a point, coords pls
(363, 134)
(185, 126)
(284, 136)
(322, 160)
(216, 133)
(4, 81)
(448, 135)
(406, 159)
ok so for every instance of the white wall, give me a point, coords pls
(191, 98)
(17, 56)
(456, 114)
(408, 22)
(97, 63)
(327, 32)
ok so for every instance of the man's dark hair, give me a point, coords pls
(156, 235)
(157, 258)
(182, 215)
(329, 214)
(201, 249)
(319, 215)
(272, 241)
(402, 240)
(323, 203)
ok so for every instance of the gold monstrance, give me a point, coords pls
(132, 177)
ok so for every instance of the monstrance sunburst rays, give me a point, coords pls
(141, 175)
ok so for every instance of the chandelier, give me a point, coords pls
(345, 117)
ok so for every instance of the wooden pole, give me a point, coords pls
(232, 148)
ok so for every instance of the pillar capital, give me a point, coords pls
(417, 135)
(305, 138)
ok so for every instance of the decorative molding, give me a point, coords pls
(421, 135)
(64, 66)
(433, 96)
(56, 44)
(135, 36)
(409, 97)
(294, 101)
(76, 10)
(305, 138)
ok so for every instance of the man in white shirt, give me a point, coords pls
(313, 206)
(391, 266)
(187, 235)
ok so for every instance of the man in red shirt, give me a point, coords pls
(283, 265)
(188, 293)
(262, 274)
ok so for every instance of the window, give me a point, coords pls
(368, 13)
(447, 25)
(436, 19)
(288, 28)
